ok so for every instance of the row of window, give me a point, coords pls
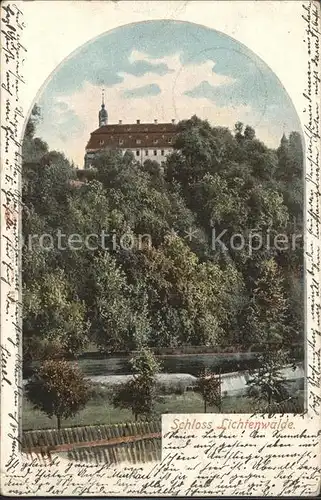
(147, 152)
(138, 141)
(155, 141)
(146, 129)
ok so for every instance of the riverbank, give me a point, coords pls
(100, 411)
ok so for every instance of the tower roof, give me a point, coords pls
(103, 111)
(284, 139)
(103, 115)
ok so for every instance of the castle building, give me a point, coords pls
(153, 141)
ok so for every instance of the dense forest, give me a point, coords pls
(151, 273)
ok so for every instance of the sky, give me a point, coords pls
(162, 70)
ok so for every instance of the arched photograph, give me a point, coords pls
(162, 259)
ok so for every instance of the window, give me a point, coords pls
(155, 152)
(137, 152)
(162, 152)
(101, 142)
(170, 140)
(146, 152)
(155, 141)
(121, 141)
(138, 141)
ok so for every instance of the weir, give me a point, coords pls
(233, 384)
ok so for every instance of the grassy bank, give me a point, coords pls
(100, 411)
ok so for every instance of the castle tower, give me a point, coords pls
(103, 115)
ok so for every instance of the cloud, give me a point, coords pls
(140, 68)
(138, 97)
(163, 70)
(60, 106)
(204, 89)
(145, 91)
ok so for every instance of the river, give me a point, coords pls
(183, 363)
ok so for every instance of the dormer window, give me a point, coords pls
(155, 141)
(170, 140)
(121, 142)
(138, 141)
(101, 142)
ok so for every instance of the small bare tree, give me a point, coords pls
(209, 386)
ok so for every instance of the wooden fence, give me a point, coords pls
(146, 450)
(134, 442)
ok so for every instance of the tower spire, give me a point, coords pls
(103, 115)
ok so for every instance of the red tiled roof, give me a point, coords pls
(137, 135)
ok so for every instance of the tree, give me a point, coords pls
(238, 131)
(267, 385)
(289, 173)
(249, 133)
(33, 148)
(188, 300)
(268, 323)
(53, 313)
(168, 291)
(109, 307)
(290, 157)
(58, 389)
(199, 149)
(135, 395)
(209, 386)
(269, 302)
(139, 393)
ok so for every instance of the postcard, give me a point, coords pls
(160, 248)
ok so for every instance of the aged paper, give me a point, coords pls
(167, 254)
